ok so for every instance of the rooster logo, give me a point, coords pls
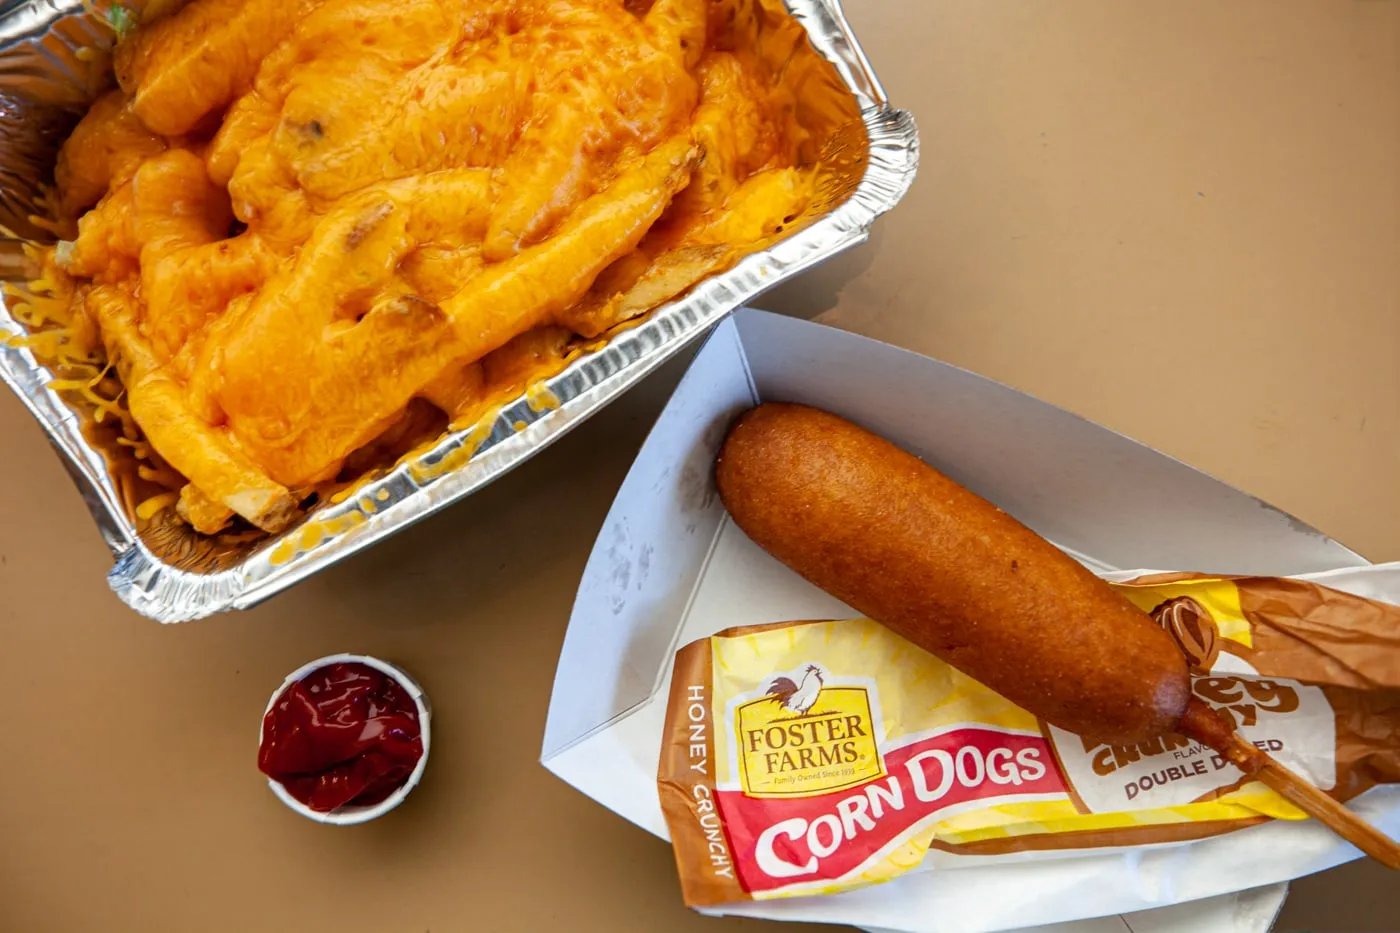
(797, 698)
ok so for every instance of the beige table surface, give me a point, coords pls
(1180, 218)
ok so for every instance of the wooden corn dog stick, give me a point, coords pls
(1208, 727)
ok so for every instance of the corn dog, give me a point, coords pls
(952, 573)
(910, 548)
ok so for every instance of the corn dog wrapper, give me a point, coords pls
(814, 757)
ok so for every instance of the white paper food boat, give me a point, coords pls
(669, 567)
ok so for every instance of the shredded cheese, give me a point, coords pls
(42, 308)
(156, 504)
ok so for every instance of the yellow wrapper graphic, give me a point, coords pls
(813, 757)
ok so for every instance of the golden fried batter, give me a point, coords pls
(310, 231)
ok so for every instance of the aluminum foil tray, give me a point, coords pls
(54, 59)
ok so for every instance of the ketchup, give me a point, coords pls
(343, 734)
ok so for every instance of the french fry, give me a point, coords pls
(671, 274)
(206, 456)
(248, 119)
(107, 147)
(201, 453)
(615, 72)
(185, 66)
(678, 26)
(543, 281)
(203, 514)
(301, 406)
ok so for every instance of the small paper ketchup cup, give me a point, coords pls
(407, 690)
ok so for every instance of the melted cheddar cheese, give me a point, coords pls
(306, 235)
